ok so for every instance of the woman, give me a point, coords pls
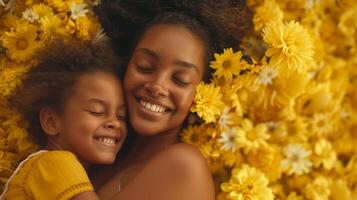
(171, 44)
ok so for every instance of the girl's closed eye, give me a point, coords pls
(96, 113)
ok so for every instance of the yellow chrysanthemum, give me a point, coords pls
(267, 12)
(10, 78)
(42, 10)
(247, 183)
(340, 190)
(207, 102)
(256, 136)
(267, 159)
(348, 22)
(290, 47)
(53, 27)
(194, 135)
(59, 5)
(318, 189)
(324, 154)
(21, 42)
(87, 27)
(228, 64)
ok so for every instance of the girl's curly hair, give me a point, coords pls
(218, 23)
(49, 82)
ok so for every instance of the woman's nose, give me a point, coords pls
(156, 89)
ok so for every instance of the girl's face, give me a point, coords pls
(161, 77)
(93, 123)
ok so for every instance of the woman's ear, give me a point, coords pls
(49, 120)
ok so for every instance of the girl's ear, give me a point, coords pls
(49, 120)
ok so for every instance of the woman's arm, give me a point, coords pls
(178, 173)
(85, 196)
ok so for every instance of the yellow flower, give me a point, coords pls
(340, 190)
(59, 5)
(324, 154)
(247, 183)
(194, 135)
(207, 102)
(322, 125)
(42, 10)
(348, 22)
(53, 27)
(87, 27)
(267, 159)
(290, 47)
(267, 12)
(256, 136)
(21, 42)
(318, 189)
(228, 64)
(10, 78)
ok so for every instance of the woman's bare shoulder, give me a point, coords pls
(178, 172)
(185, 156)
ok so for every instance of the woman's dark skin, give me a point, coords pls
(167, 64)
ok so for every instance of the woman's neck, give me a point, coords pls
(144, 147)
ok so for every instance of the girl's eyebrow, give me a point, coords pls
(95, 100)
(156, 56)
(122, 106)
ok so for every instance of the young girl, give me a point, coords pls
(74, 103)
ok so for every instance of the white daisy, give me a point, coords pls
(30, 15)
(232, 139)
(100, 37)
(78, 10)
(226, 119)
(267, 75)
(296, 161)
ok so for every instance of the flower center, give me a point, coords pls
(295, 158)
(21, 44)
(194, 138)
(226, 64)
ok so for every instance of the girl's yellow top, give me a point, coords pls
(48, 175)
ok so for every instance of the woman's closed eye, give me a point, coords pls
(144, 68)
(181, 81)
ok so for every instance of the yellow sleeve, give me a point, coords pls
(57, 175)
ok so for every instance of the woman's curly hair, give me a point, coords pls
(49, 82)
(219, 23)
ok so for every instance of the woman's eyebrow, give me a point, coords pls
(156, 56)
(185, 64)
(149, 52)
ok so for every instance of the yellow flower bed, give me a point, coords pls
(280, 116)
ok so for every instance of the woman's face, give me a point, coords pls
(167, 64)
